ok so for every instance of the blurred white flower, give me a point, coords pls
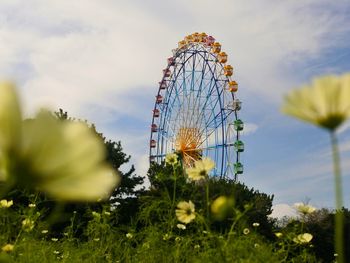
(304, 208)
(181, 226)
(325, 103)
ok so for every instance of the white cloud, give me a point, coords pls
(249, 128)
(281, 210)
(102, 60)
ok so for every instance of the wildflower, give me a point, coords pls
(326, 103)
(303, 238)
(96, 239)
(56, 252)
(181, 226)
(256, 224)
(107, 213)
(7, 248)
(62, 158)
(171, 158)
(32, 205)
(177, 239)
(197, 246)
(129, 236)
(278, 234)
(166, 237)
(246, 231)
(54, 239)
(5, 204)
(201, 169)
(304, 208)
(45, 231)
(256, 245)
(27, 225)
(146, 245)
(96, 215)
(221, 207)
(185, 212)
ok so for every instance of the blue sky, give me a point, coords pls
(102, 61)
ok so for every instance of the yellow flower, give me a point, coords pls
(62, 158)
(201, 169)
(221, 207)
(304, 208)
(185, 212)
(171, 158)
(7, 248)
(325, 103)
(32, 205)
(5, 204)
(129, 235)
(278, 234)
(256, 224)
(27, 225)
(303, 238)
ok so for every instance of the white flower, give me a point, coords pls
(201, 169)
(32, 205)
(181, 226)
(256, 224)
(129, 235)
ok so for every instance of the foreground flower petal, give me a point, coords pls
(325, 103)
(67, 160)
(10, 118)
(10, 127)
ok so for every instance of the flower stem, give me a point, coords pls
(207, 197)
(339, 224)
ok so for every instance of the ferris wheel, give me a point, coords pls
(196, 110)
